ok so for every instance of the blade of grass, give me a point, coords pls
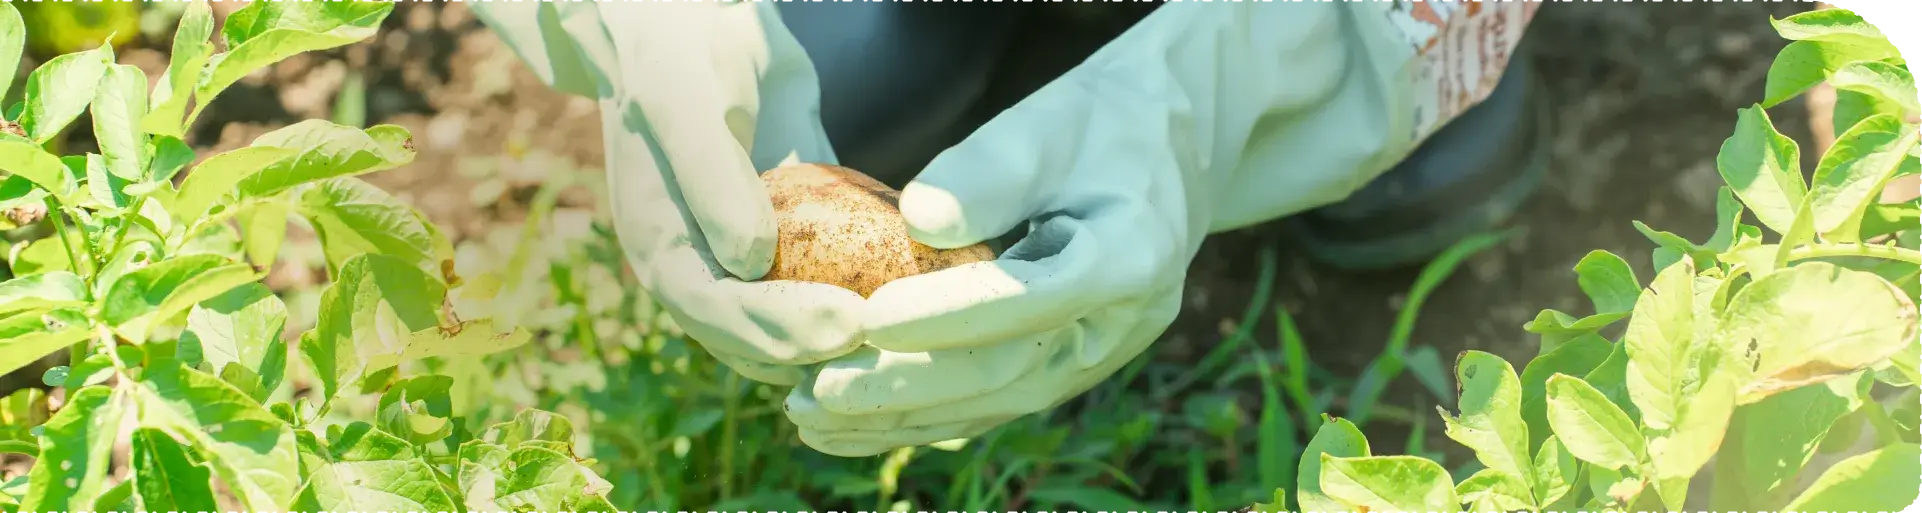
(1294, 353)
(1224, 352)
(1388, 365)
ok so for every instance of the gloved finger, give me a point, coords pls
(532, 31)
(700, 122)
(1071, 369)
(776, 322)
(790, 117)
(1065, 268)
(777, 375)
(1002, 175)
(873, 381)
(781, 323)
(871, 443)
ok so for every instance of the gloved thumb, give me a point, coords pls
(1005, 173)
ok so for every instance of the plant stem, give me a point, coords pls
(730, 411)
(120, 235)
(60, 228)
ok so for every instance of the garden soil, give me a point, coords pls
(1643, 95)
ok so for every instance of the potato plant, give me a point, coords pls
(153, 285)
(1745, 356)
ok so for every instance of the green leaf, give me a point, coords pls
(1608, 282)
(1887, 218)
(1660, 335)
(56, 289)
(418, 409)
(1590, 427)
(1679, 378)
(367, 470)
(1763, 167)
(243, 326)
(1853, 171)
(480, 466)
(107, 190)
(26, 337)
(160, 291)
(1803, 64)
(264, 225)
(1814, 322)
(76, 452)
(58, 91)
(192, 47)
(169, 155)
(1494, 490)
(1278, 504)
(1491, 416)
(13, 40)
(1556, 474)
(1840, 25)
(1852, 107)
(541, 479)
(1884, 81)
(1769, 442)
(1337, 437)
(1576, 357)
(531, 426)
(216, 178)
(1707, 390)
(118, 103)
(353, 336)
(264, 33)
(1389, 483)
(1558, 329)
(164, 477)
(27, 159)
(326, 150)
(250, 449)
(1884, 479)
(352, 217)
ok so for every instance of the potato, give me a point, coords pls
(841, 227)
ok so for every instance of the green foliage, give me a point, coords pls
(1748, 352)
(409, 386)
(178, 341)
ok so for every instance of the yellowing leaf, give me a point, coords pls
(1813, 322)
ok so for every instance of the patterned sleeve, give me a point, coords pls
(1461, 49)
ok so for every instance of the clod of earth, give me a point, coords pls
(841, 227)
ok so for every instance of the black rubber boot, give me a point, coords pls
(1467, 178)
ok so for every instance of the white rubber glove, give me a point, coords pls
(1201, 118)
(697, 98)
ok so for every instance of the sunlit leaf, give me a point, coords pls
(58, 91)
(164, 477)
(1813, 322)
(368, 470)
(1884, 479)
(76, 452)
(192, 47)
(1389, 483)
(263, 33)
(250, 449)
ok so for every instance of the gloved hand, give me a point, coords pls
(1201, 118)
(696, 99)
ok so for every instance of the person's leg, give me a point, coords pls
(1468, 177)
(895, 77)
